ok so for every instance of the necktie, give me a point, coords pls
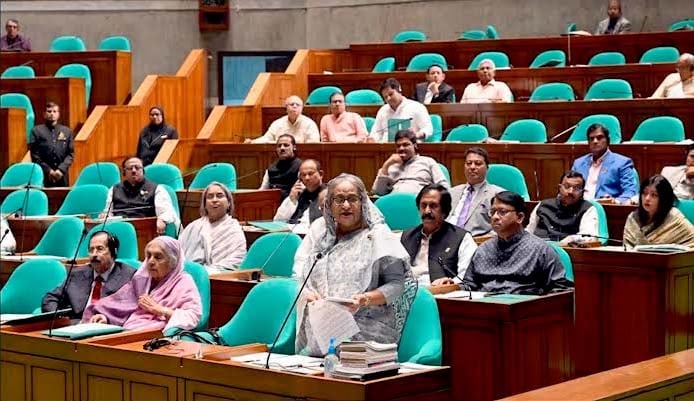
(96, 293)
(466, 207)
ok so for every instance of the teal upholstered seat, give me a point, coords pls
(26, 202)
(491, 32)
(67, 44)
(29, 283)
(20, 101)
(321, 95)
(500, 60)
(663, 54)
(120, 43)
(603, 230)
(660, 129)
(409, 36)
(421, 340)
(549, 58)
(528, 130)
(89, 199)
(437, 128)
(608, 58)
(611, 122)
(224, 173)
(363, 96)
(78, 71)
(473, 34)
(202, 281)
(104, 173)
(399, 210)
(423, 61)
(609, 89)
(19, 71)
(172, 229)
(565, 260)
(686, 206)
(386, 64)
(127, 237)
(20, 174)
(468, 133)
(61, 238)
(273, 253)
(682, 25)
(369, 123)
(553, 91)
(508, 177)
(446, 173)
(164, 173)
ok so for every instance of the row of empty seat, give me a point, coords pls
(71, 43)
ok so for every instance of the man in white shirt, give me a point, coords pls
(302, 128)
(487, 89)
(678, 84)
(301, 206)
(399, 107)
(681, 177)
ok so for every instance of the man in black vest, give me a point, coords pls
(439, 251)
(283, 173)
(52, 148)
(301, 206)
(136, 197)
(567, 217)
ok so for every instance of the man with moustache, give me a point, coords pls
(439, 251)
(87, 284)
(302, 128)
(341, 125)
(615, 23)
(487, 89)
(406, 170)
(434, 90)
(282, 173)
(51, 146)
(563, 217)
(301, 206)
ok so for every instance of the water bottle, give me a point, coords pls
(330, 362)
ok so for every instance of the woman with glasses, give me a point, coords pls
(351, 254)
(152, 136)
(656, 220)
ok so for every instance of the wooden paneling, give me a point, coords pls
(320, 61)
(108, 383)
(27, 377)
(13, 136)
(248, 204)
(68, 93)
(110, 70)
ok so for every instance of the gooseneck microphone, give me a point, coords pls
(319, 256)
(608, 239)
(25, 203)
(448, 269)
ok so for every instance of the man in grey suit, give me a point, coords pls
(472, 200)
(615, 23)
(87, 284)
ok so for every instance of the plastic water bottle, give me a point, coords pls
(330, 362)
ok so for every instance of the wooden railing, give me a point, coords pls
(13, 134)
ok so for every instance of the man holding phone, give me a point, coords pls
(301, 206)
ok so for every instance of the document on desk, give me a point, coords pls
(330, 320)
(85, 330)
(292, 363)
(462, 294)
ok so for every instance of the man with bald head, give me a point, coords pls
(302, 128)
(615, 23)
(678, 84)
(487, 89)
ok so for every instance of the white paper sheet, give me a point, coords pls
(330, 320)
(462, 294)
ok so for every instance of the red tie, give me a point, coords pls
(96, 293)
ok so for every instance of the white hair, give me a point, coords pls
(489, 61)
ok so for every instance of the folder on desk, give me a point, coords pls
(507, 298)
(270, 225)
(395, 125)
(84, 330)
(24, 318)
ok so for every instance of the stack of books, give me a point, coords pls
(366, 360)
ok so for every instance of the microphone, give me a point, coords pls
(608, 239)
(537, 185)
(4, 234)
(448, 269)
(27, 63)
(571, 128)
(73, 261)
(24, 208)
(319, 256)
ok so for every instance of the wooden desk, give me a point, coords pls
(13, 136)
(249, 204)
(669, 377)
(110, 70)
(227, 294)
(644, 79)
(68, 93)
(499, 349)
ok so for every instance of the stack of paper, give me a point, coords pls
(84, 330)
(366, 360)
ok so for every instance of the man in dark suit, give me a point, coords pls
(434, 90)
(51, 147)
(87, 284)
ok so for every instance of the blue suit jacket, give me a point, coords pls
(616, 177)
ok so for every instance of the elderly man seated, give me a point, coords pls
(301, 206)
(681, 178)
(487, 89)
(678, 84)
(302, 128)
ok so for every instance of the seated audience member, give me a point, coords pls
(615, 23)
(7, 241)
(354, 255)
(514, 261)
(14, 41)
(399, 107)
(86, 285)
(52, 147)
(159, 296)
(678, 84)
(282, 174)
(656, 220)
(137, 196)
(472, 200)
(681, 178)
(487, 89)
(407, 170)
(216, 239)
(302, 128)
(567, 217)
(434, 90)
(439, 251)
(609, 176)
(152, 137)
(301, 206)
(341, 125)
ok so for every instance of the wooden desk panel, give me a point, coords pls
(68, 93)
(111, 71)
(227, 295)
(13, 136)
(249, 204)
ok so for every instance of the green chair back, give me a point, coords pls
(202, 281)
(271, 300)
(529, 130)
(171, 229)
(549, 58)
(553, 91)
(321, 95)
(663, 54)
(19, 71)
(89, 199)
(468, 133)
(78, 71)
(509, 178)
(164, 173)
(103, 173)
(127, 237)
(386, 64)
(608, 58)
(446, 173)
(29, 283)
(565, 259)
(273, 253)
(660, 129)
(20, 174)
(224, 173)
(67, 44)
(21, 101)
(686, 206)
(636, 178)
(421, 340)
(120, 43)
(437, 131)
(369, 123)
(683, 25)
(363, 96)
(31, 202)
(603, 231)
(580, 133)
(500, 60)
(423, 61)
(61, 238)
(609, 89)
(492, 32)
(409, 36)
(399, 210)
(571, 27)
(473, 34)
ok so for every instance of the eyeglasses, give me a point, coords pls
(502, 212)
(352, 199)
(572, 189)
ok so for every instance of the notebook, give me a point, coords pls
(84, 330)
(270, 225)
(395, 125)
